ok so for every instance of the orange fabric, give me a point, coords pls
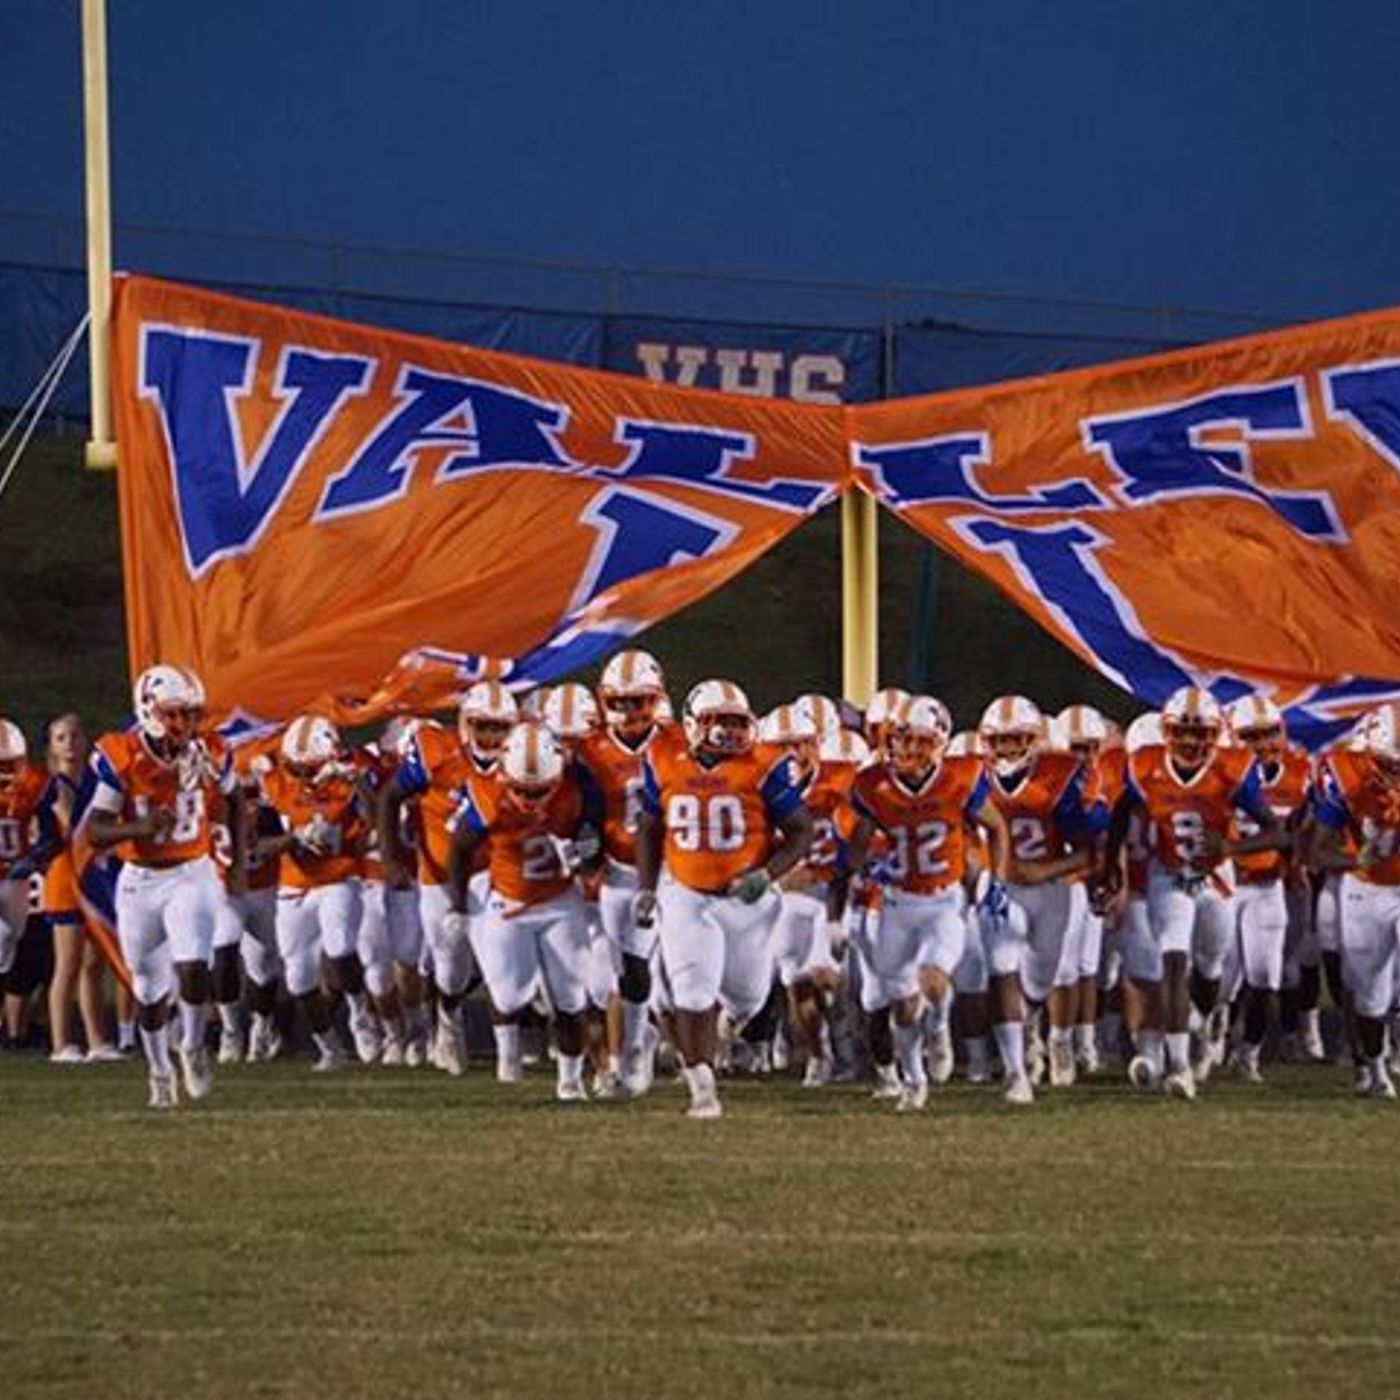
(1180, 812)
(337, 803)
(716, 823)
(18, 804)
(61, 885)
(449, 768)
(927, 830)
(1286, 792)
(520, 855)
(149, 784)
(1374, 828)
(617, 771)
(1029, 809)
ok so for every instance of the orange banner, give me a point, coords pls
(322, 514)
(317, 513)
(1227, 515)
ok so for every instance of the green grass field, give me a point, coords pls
(395, 1233)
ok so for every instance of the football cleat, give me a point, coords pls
(1062, 1066)
(451, 1046)
(817, 1073)
(233, 1046)
(913, 1098)
(570, 1091)
(195, 1071)
(163, 1094)
(1180, 1084)
(940, 1056)
(887, 1085)
(1018, 1090)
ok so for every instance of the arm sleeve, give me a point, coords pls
(1249, 796)
(651, 790)
(412, 775)
(976, 799)
(108, 792)
(1328, 802)
(781, 795)
(466, 814)
(1074, 815)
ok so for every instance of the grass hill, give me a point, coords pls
(777, 629)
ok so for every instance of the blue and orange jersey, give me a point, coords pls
(520, 838)
(1182, 813)
(828, 798)
(1350, 796)
(719, 817)
(618, 771)
(27, 819)
(1285, 786)
(928, 828)
(435, 769)
(1052, 805)
(338, 805)
(130, 781)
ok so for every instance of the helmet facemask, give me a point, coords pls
(914, 753)
(630, 716)
(1011, 752)
(1190, 742)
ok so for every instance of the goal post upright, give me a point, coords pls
(101, 449)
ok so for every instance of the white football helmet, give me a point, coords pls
(13, 752)
(719, 719)
(570, 711)
(844, 746)
(169, 703)
(1081, 730)
(632, 690)
(532, 762)
(1258, 724)
(1012, 728)
(310, 743)
(1192, 723)
(880, 714)
(789, 724)
(484, 719)
(825, 712)
(1143, 732)
(967, 742)
(398, 733)
(918, 736)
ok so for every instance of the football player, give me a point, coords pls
(924, 802)
(148, 798)
(537, 827)
(631, 691)
(1190, 790)
(722, 820)
(314, 788)
(1054, 820)
(1356, 811)
(27, 795)
(436, 766)
(1267, 882)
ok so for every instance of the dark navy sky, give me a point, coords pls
(1206, 152)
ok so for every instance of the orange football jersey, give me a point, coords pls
(1349, 797)
(132, 781)
(720, 818)
(337, 804)
(828, 798)
(1054, 804)
(617, 771)
(435, 770)
(928, 829)
(1285, 788)
(1182, 814)
(520, 841)
(24, 803)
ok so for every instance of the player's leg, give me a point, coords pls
(404, 923)
(1005, 940)
(561, 946)
(972, 1022)
(942, 942)
(263, 969)
(227, 976)
(692, 952)
(1171, 913)
(635, 951)
(1086, 1019)
(340, 909)
(1262, 916)
(1214, 933)
(146, 952)
(192, 898)
(380, 1036)
(1369, 915)
(1060, 927)
(454, 964)
(299, 948)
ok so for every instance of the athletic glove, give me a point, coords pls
(995, 902)
(751, 886)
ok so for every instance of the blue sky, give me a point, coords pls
(1221, 154)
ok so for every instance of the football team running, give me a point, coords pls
(868, 896)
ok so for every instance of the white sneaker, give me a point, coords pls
(571, 1091)
(1017, 1089)
(1180, 1084)
(164, 1094)
(104, 1055)
(817, 1073)
(331, 1060)
(781, 1057)
(194, 1069)
(1142, 1073)
(67, 1055)
(415, 1053)
(913, 1098)
(704, 1096)
(452, 1048)
(940, 1056)
(369, 1038)
(233, 1047)
(1087, 1059)
(394, 1053)
(1202, 1058)
(1035, 1055)
(510, 1071)
(639, 1070)
(1310, 1037)
(264, 1040)
(887, 1085)
(1061, 1063)
(608, 1086)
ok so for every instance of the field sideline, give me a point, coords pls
(398, 1233)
